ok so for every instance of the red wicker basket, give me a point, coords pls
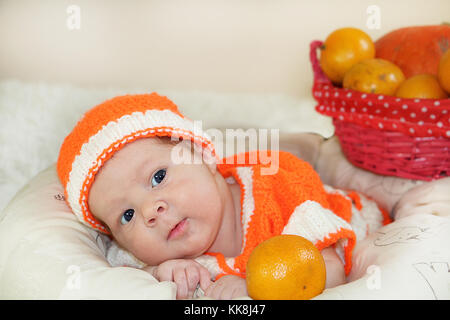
(408, 138)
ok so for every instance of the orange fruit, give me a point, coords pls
(444, 71)
(285, 267)
(374, 76)
(424, 86)
(342, 49)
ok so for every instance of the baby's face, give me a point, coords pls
(154, 208)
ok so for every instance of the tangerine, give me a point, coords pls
(342, 49)
(285, 267)
(424, 86)
(377, 76)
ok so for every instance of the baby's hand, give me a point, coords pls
(227, 287)
(187, 274)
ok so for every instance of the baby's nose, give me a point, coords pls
(158, 208)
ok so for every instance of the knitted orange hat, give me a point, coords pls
(108, 127)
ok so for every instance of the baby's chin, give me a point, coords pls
(197, 246)
(191, 246)
(196, 252)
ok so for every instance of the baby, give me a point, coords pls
(196, 223)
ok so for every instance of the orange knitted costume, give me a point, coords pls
(294, 201)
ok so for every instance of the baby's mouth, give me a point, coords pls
(178, 230)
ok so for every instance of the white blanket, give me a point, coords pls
(45, 253)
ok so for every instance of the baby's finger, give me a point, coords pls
(205, 279)
(193, 277)
(226, 293)
(179, 277)
(163, 274)
(235, 292)
(209, 290)
(214, 291)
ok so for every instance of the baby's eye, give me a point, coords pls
(127, 216)
(158, 177)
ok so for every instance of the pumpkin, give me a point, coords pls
(444, 71)
(374, 76)
(342, 49)
(424, 86)
(416, 50)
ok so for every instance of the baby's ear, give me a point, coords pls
(210, 161)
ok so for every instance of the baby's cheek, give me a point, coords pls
(149, 256)
(146, 250)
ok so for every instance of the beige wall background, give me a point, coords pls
(257, 46)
